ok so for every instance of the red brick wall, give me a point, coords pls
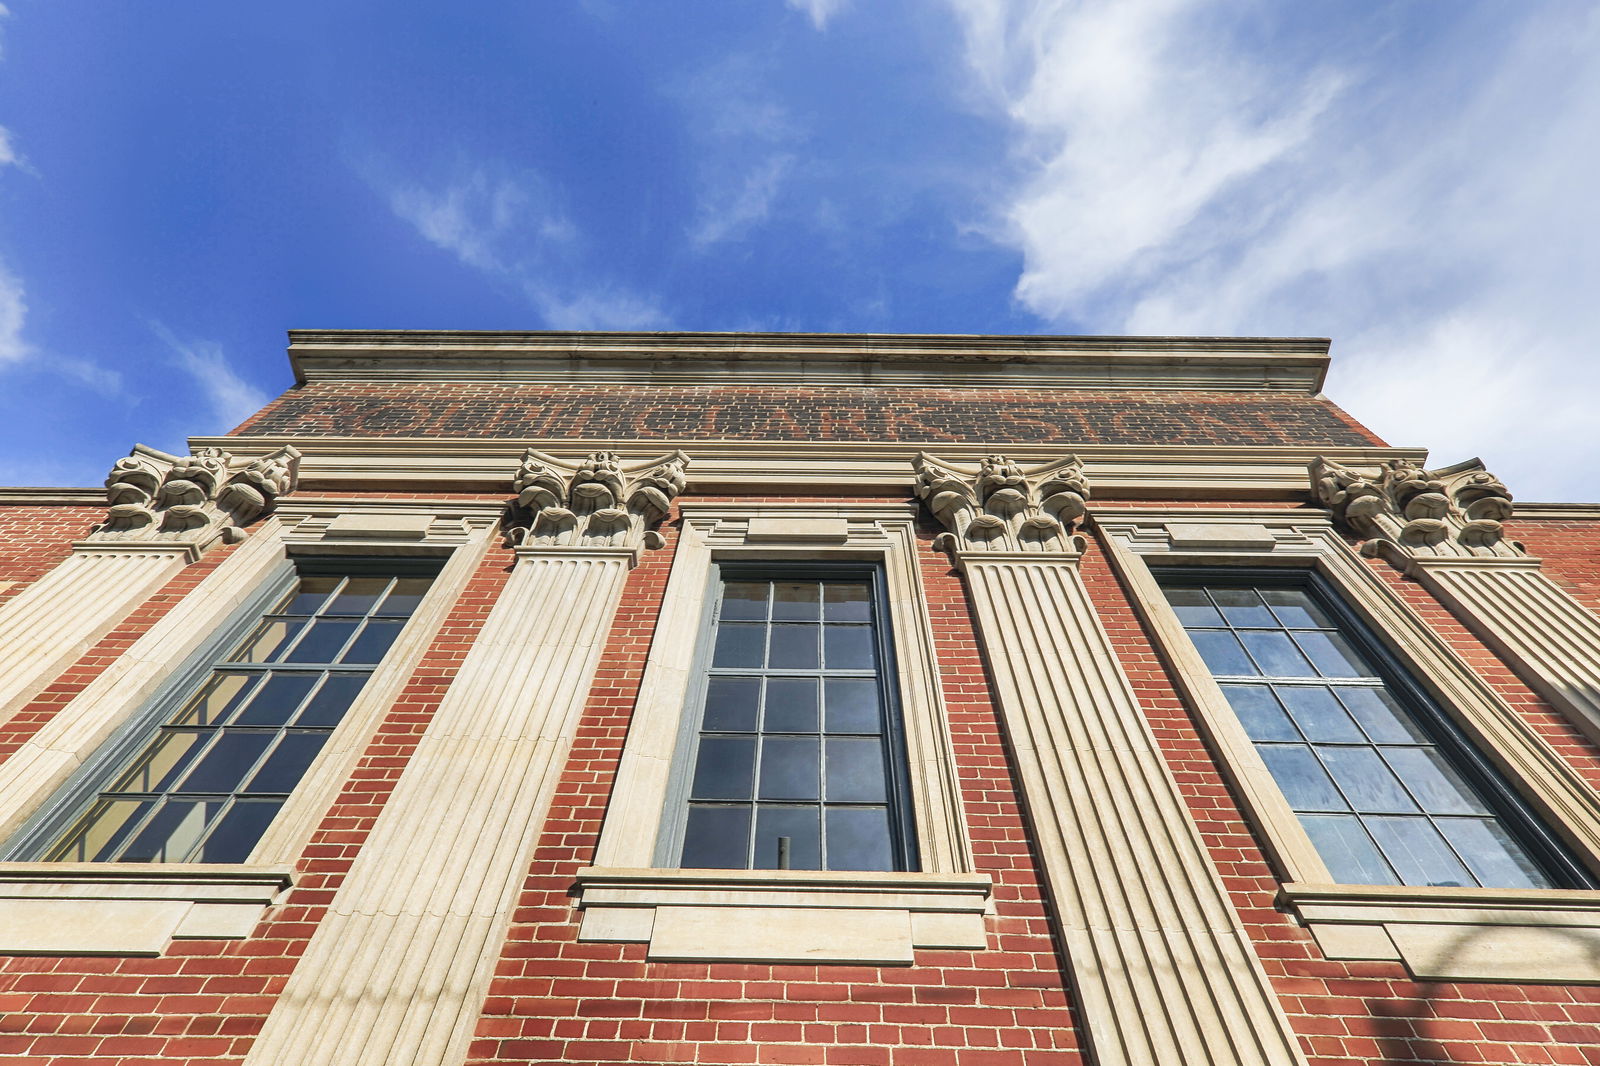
(1570, 549)
(555, 999)
(1358, 1012)
(35, 537)
(839, 413)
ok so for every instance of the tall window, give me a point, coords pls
(207, 781)
(1387, 789)
(796, 761)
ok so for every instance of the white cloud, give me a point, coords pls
(1424, 200)
(232, 398)
(728, 212)
(13, 313)
(511, 228)
(818, 11)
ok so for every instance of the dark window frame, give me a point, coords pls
(1515, 813)
(902, 819)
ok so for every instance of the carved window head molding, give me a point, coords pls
(1408, 513)
(194, 500)
(597, 501)
(999, 506)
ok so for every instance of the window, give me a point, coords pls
(796, 759)
(1386, 787)
(206, 780)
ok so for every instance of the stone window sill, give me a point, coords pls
(1457, 934)
(54, 908)
(783, 916)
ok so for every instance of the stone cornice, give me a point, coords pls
(1293, 364)
(1123, 472)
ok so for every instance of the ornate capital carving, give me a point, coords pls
(1455, 512)
(596, 502)
(1000, 506)
(192, 499)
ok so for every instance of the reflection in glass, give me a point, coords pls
(716, 838)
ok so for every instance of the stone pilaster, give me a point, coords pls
(163, 511)
(400, 967)
(1161, 966)
(1444, 528)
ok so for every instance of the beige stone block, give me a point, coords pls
(1187, 536)
(781, 935)
(1500, 953)
(618, 925)
(822, 530)
(220, 921)
(88, 927)
(1354, 941)
(381, 526)
(933, 929)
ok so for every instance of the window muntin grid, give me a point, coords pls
(797, 733)
(1380, 798)
(209, 782)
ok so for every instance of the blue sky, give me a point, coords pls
(180, 182)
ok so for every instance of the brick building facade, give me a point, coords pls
(601, 698)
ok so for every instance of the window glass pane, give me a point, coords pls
(1222, 653)
(359, 595)
(288, 762)
(852, 705)
(1243, 607)
(856, 771)
(797, 601)
(716, 838)
(404, 596)
(801, 825)
(101, 831)
(157, 768)
(740, 645)
(849, 647)
(268, 642)
(794, 647)
(731, 704)
(858, 839)
(790, 768)
(310, 594)
(1333, 654)
(725, 768)
(1418, 852)
(1260, 713)
(846, 602)
(1348, 851)
(1381, 715)
(1366, 782)
(744, 600)
(1491, 854)
(1193, 607)
(322, 642)
(1305, 784)
(226, 762)
(1435, 783)
(332, 700)
(173, 832)
(237, 831)
(791, 705)
(1296, 609)
(1320, 716)
(277, 698)
(216, 700)
(1276, 654)
(374, 642)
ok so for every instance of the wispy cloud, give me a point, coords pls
(820, 12)
(232, 399)
(1429, 208)
(512, 228)
(13, 313)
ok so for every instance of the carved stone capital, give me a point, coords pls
(194, 500)
(1454, 512)
(596, 502)
(999, 506)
